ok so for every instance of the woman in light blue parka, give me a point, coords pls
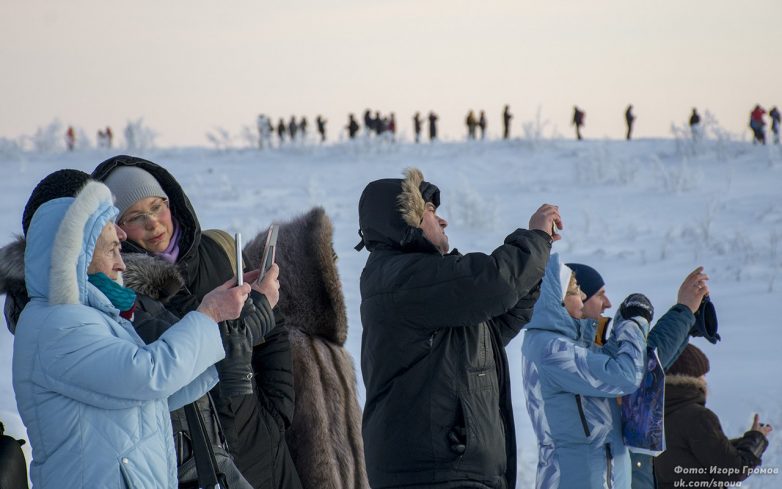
(571, 387)
(94, 398)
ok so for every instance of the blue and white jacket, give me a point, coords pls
(94, 398)
(571, 387)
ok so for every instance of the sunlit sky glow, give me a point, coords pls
(190, 66)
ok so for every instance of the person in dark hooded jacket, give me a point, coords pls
(697, 450)
(438, 406)
(254, 423)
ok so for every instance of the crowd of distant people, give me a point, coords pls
(384, 127)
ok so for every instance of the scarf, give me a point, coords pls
(120, 297)
(171, 253)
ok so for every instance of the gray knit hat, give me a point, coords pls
(129, 184)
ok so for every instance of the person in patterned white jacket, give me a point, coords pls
(571, 385)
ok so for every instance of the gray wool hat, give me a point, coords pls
(129, 184)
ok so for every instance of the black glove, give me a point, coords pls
(637, 305)
(706, 322)
(235, 370)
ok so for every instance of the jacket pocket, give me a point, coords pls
(485, 435)
(131, 482)
(582, 416)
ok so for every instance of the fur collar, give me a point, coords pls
(311, 296)
(12, 266)
(151, 276)
(687, 381)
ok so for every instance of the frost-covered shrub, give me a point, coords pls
(139, 137)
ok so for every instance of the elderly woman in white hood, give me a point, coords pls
(94, 398)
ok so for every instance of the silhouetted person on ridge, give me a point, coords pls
(281, 130)
(417, 121)
(758, 125)
(774, 114)
(482, 124)
(578, 120)
(392, 126)
(432, 126)
(695, 124)
(352, 126)
(303, 127)
(471, 124)
(292, 128)
(109, 136)
(629, 119)
(321, 123)
(70, 138)
(369, 124)
(506, 117)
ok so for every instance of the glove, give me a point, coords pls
(637, 305)
(235, 370)
(706, 322)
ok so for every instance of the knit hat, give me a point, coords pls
(62, 183)
(706, 321)
(588, 279)
(692, 363)
(129, 184)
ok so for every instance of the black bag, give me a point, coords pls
(13, 467)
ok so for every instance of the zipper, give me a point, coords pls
(582, 415)
(431, 338)
(609, 462)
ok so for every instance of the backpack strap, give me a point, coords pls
(226, 242)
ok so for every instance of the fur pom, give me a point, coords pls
(411, 202)
(12, 265)
(151, 276)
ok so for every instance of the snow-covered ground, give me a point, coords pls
(644, 213)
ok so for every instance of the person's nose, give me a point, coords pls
(120, 266)
(121, 234)
(607, 303)
(443, 222)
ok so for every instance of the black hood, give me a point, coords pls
(382, 223)
(181, 209)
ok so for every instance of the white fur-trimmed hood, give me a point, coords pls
(61, 241)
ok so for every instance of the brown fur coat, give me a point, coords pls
(325, 434)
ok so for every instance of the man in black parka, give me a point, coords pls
(254, 424)
(438, 408)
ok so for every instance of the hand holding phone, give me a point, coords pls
(239, 264)
(267, 259)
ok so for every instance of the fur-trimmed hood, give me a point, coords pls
(311, 296)
(61, 242)
(390, 212)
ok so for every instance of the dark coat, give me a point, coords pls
(694, 439)
(325, 432)
(252, 424)
(438, 407)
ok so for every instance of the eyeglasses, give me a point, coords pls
(140, 220)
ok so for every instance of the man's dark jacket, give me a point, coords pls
(438, 409)
(254, 425)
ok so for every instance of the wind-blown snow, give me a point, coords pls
(644, 213)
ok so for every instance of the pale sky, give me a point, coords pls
(188, 66)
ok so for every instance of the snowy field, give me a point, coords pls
(644, 213)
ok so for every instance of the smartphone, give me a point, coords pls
(239, 264)
(267, 259)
